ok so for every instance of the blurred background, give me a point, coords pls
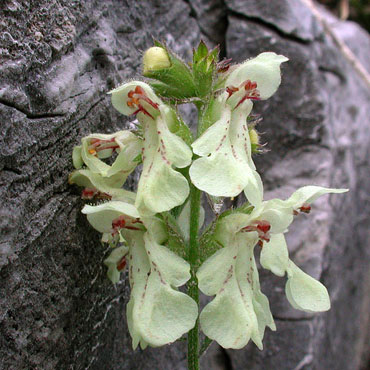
(354, 10)
(58, 60)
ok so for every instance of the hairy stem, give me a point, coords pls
(193, 258)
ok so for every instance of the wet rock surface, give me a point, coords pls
(58, 61)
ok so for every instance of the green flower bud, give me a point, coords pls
(154, 59)
(174, 78)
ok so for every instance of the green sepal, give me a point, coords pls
(200, 53)
(178, 127)
(175, 241)
(178, 79)
(209, 115)
(245, 208)
(208, 245)
(204, 68)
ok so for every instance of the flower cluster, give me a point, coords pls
(148, 230)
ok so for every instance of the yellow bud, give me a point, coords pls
(155, 58)
(253, 135)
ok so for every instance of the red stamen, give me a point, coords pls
(139, 90)
(121, 264)
(263, 225)
(137, 221)
(306, 208)
(141, 109)
(251, 92)
(131, 228)
(230, 90)
(88, 193)
(106, 147)
(224, 65)
(119, 222)
(134, 101)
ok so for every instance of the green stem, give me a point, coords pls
(193, 258)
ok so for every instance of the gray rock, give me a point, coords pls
(317, 127)
(58, 61)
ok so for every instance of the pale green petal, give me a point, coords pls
(109, 185)
(219, 174)
(239, 311)
(76, 157)
(254, 189)
(101, 217)
(92, 162)
(249, 286)
(225, 319)
(120, 98)
(125, 162)
(274, 255)
(277, 213)
(139, 268)
(174, 270)
(260, 302)
(135, 335)
(264, 69)
(112, 261)
(165, 314)
(173, 148)
(160, 187)
(308, 194)
(304, 292)
(157, 228)
(158, 313)
(209, 281)
(184, 220)
(130, 147)
(213, 137)
(226, 167)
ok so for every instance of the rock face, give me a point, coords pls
(58, 60)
